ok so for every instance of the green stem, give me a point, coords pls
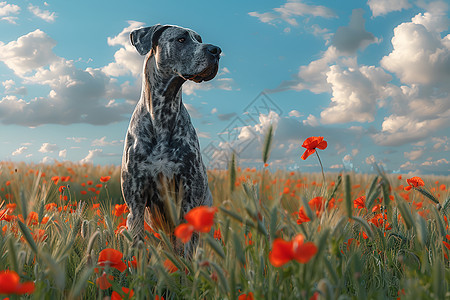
(321, 167)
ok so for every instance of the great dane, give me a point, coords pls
(161, 144)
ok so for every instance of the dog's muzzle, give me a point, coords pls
(211, 70)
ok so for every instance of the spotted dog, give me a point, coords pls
(161, 144)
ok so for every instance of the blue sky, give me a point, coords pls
(372, 77)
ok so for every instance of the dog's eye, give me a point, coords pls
(181, 40)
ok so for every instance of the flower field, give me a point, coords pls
(270, 235)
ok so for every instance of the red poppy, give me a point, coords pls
(360, 202)
(112, 258)
(202, 218)
(116, 296)
(285, 251)
(105, 178)
(414, 182)
(248, 296)
(302, 216)
(55, 179)
(311, 144)
(9, 284)
(120, 209)
(103, 282)
(184, 232)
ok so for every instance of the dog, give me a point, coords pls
(161, 145)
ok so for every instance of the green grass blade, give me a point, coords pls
(348, 196)
(28, 237)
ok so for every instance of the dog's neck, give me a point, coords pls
(161, 94)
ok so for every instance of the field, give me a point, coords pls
(275, 235)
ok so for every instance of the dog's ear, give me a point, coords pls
(144, 39)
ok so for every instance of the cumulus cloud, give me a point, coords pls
(47, 147)
(420, 59)
(355, 94)
(89, 159)
(19, 151)
(63, 153)
(42, 14)
(126, 60)
(7, 10)
(348, 39)
(76, 96)
(383, 7)
(292, 9)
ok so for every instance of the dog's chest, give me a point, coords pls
(157, 153)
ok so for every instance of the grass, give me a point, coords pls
(57, 245)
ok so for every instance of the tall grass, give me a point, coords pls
(355, 259)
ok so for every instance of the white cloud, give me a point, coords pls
(420, 56)
(8, 9)
(127, 59)
(311, 121)
(76, 96)
(102, 142)
(383, 7)
(294, 113)
(42, 14)
(48, 160)
(91, 155)
(29, 52)
(355, 94)
(291, 10)
(19, 151)
(47, 147)
(414, 154)
(63, 153)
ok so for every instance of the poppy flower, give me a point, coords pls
(55, 179)
(9, 284)
(120, 209)
(285, 251)
(116, 296)
(360, 202)
(201, 217)
(103, 282)
(248, 296)
(414, 182)
(105, 178)
(112, 258)
(302, 216)
(184, 232)
(311, 144)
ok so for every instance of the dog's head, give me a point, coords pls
(179, 51)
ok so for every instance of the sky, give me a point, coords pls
(371, 77)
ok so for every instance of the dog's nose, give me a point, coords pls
(214, 50)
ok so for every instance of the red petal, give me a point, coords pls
(202, 218)
(322, 145)
(307, 153)
(304, 252)
(9, 280)
(184, 232)
(25, 288)
(281, 252)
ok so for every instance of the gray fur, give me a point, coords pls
(161, 142)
